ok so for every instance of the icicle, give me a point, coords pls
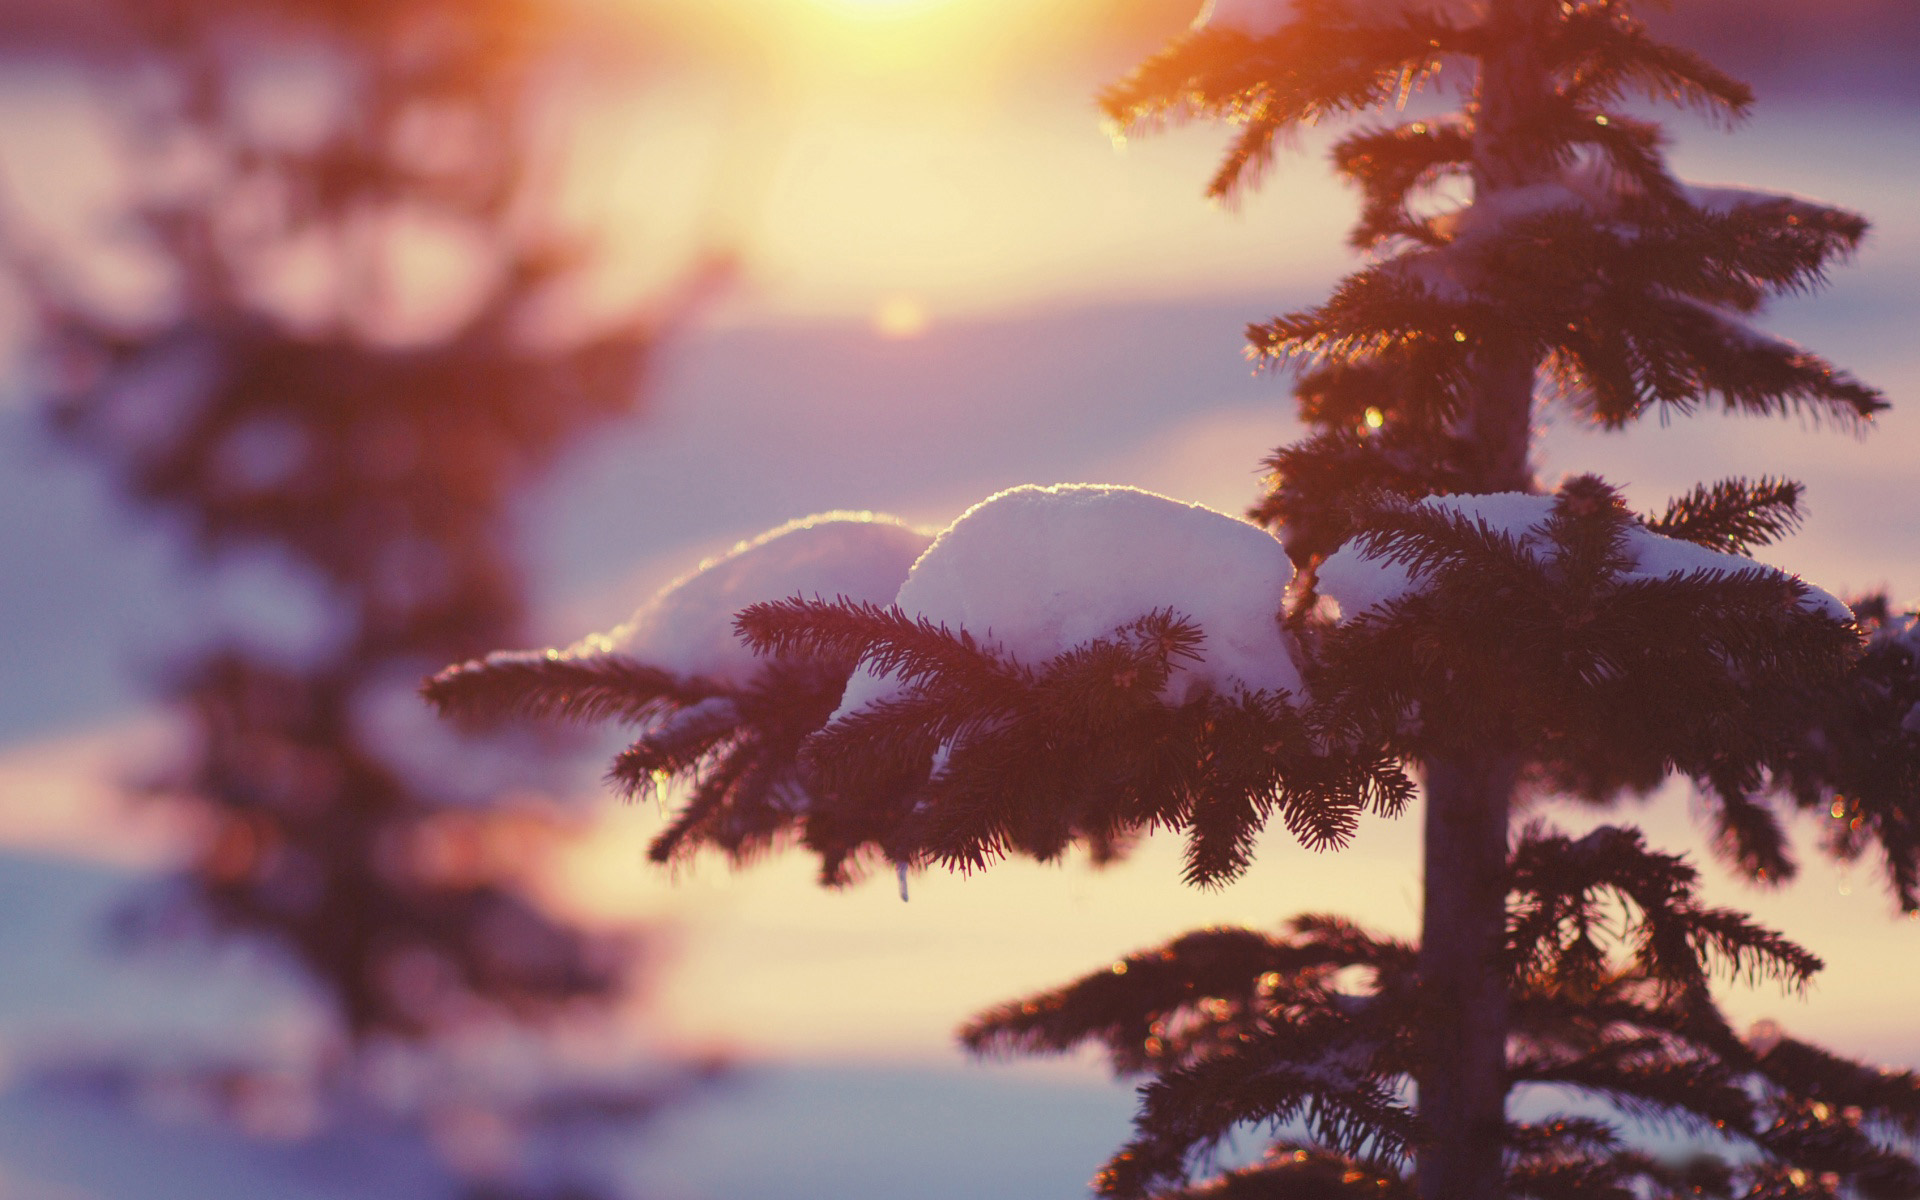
(900, 873)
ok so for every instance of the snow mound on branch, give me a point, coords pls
(1255, 18)
(688, 627)
(1036, 571)
(1451, 272)
(1358, 581)
(1720, 198)
(1589, 189)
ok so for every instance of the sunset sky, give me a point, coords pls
(953, 280)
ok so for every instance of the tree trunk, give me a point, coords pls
(1463, 1030)
(1514, 88)
(1464, 1003)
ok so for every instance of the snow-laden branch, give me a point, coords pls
(1364, 575)
(1255, 18)
(687, 628)
(1035, 572)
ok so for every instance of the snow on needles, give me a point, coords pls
(1036, 571)
(1358, 581)
(688, 627)
(1255, 18)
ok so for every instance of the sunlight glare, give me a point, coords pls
(882, 8)
(900, 318)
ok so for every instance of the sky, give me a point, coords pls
(954, 281)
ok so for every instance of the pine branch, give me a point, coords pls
(1700, 354)
(1587, 529)
(1320, 489)
(1191, 1109)
(674, 745)
(1760, 243)
(1855, 752)
(1620, 1175)
(1560, 1135)
(1299, 1171)
(1080, 748)
(1632, 150)
(1390, 164)
(1210, 982)
(1815, 1140)
(536, 683)
(1376, 313)
(1734, 515)
(703, 818)
(1748, 836)
(1334, 58)
(1643, 1080)
(1636, 309)
(1675, 941)
(885, 640)
(1887, 1097)
(1579, 1158)
(892, 741)
(1432, 542)
(1412, 390)
(1601, 53)
(1627, 676)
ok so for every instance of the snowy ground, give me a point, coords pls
(757, 425)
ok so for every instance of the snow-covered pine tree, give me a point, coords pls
(1075, 665)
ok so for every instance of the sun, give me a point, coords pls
(882, 8)
(899, 318)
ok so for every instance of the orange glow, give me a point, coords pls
(914, 46)
(923, 966)
(882, 8)
(64, 797)
(900, 318)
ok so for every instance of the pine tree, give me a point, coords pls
(1451, 622)
(379, 472)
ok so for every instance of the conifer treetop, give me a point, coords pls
(1041, 679)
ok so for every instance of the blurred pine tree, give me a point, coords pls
(374, 464)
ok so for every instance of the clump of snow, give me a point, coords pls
(688, 627)
(1255, 18)
(1657, 557)
(712, 715)
(1036, 571)
(1490, 214)
(1357, 581)
(1726, 199)
(1591, 188)
(1735, 331)
(1449, 271)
